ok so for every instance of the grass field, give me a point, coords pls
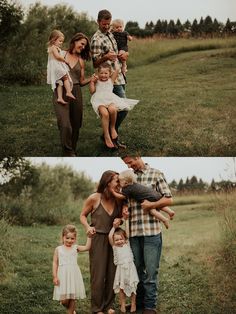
(187, 105)
(195, 278)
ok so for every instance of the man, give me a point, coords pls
(104, 49)
(145, 233)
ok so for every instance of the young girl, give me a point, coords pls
(67, 278)
(131, 189)
(57, 69)
(126, 277)
(105, 103)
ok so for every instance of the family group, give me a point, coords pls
(66, 74)
(122, 220)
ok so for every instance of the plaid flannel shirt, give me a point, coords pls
(141, 224)
(101, 43)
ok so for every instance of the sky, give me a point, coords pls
(206, 168)
(151, 10)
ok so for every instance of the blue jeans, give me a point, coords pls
(119, 90)
(147, 254)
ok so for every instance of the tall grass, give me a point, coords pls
(145, 51)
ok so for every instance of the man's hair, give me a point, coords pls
(104, 15)
(128, 176)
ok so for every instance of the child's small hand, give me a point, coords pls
(116, 222)
(56, 281)
(90, 231)
(94, 78)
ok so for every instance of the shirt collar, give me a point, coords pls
(144, 170)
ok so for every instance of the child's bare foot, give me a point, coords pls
(70, 95)
(108, 142)
(110, 311)
(114, 134)
(166, 223)
(61, 101)
(171, 214)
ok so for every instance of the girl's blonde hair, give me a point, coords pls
(104, 65)
(55, 34)
(121, 232)
(129, 176)
(117, 22)
(68, 229)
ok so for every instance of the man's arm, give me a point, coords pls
(163, 202)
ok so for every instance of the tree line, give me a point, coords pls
(24, 35)
(205, 27)
(51, 194)
(195, 185)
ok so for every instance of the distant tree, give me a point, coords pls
(208, 25)
(180, 185)
(158, 27)
(195, 28)
(187, 26)
(11, 16)
(132, 28)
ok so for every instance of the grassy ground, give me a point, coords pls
(187, 95)
(194, 278)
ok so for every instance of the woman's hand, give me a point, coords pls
(94, 78)
(90, 232)
(56, 281)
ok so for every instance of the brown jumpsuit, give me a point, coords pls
(102, 268)
(69, 117)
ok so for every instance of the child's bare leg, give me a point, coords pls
(59, 95)
(160, 217)
(122, 298)
(67, 87)
(113, 115)
(169, 211)
(71, 307)
(124, 67)
(133, 303)
(105, 117)
(65, 303)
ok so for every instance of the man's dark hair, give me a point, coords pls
(104, 15)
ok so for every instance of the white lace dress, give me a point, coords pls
(126, 276)
(104, 96)
(71, 282)
(56, 69)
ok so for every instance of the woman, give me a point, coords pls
(69, 116)
(103, 208)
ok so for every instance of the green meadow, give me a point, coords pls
(187, 94)
(197, 270)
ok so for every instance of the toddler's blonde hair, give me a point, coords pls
(129, 176)
(117, 22)
(55, 34)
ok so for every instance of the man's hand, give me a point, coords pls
(111, 55)
(146, 206)
(123, 55)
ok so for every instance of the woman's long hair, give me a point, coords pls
(106, 178)
(85, 53)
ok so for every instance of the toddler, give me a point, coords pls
(121, 37)
(105, 103)
(57, 69)
(67, 278)
(131, 189)
(126, 277)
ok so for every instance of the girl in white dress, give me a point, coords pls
(126, 277)
(105, 103)
(67, 278)
(57, 68)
